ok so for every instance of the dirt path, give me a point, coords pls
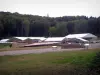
(36, 51)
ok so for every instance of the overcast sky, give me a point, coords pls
(54, 8)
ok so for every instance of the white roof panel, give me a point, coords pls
(24, 38)
(41, 38)
(52, 39)
(4, 40)
(82, 39)
(80, 35)
(21, 38)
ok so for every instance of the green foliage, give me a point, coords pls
(60, 26)
(81, 26)
(94, 66)
(70, 27)
(52, 31)
(15, 24)
(26, 26)
(2, 45)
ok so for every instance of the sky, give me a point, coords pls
(55, 8)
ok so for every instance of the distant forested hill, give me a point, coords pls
(15, 24)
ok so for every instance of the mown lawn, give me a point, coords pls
(57, 63)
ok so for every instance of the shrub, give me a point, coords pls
(94, 67)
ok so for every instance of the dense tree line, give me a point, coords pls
(15, 24)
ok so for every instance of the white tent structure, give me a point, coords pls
(83, 40)
(24, 38)
(4, 40)
(87, 36)
(54, 39)
(74, 40)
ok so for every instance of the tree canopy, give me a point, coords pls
(15, 24)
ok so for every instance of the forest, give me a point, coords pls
(16, 24)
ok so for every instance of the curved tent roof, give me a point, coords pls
(4, 40)
(84, 35)
(24, 38)
(53, 39)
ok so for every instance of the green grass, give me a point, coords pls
(3, 45)
(57, 63)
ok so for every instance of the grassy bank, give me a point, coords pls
(57, 63)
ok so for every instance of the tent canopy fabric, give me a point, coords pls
(53, 39)
(24, 38)
(82, 39)
(74, 40)
(4, 40)
(84, 35)
(14, 40)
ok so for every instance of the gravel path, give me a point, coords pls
(36, 51)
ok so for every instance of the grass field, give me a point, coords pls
(3, 45)
(57, 63)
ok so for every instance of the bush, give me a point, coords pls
(94, 67)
